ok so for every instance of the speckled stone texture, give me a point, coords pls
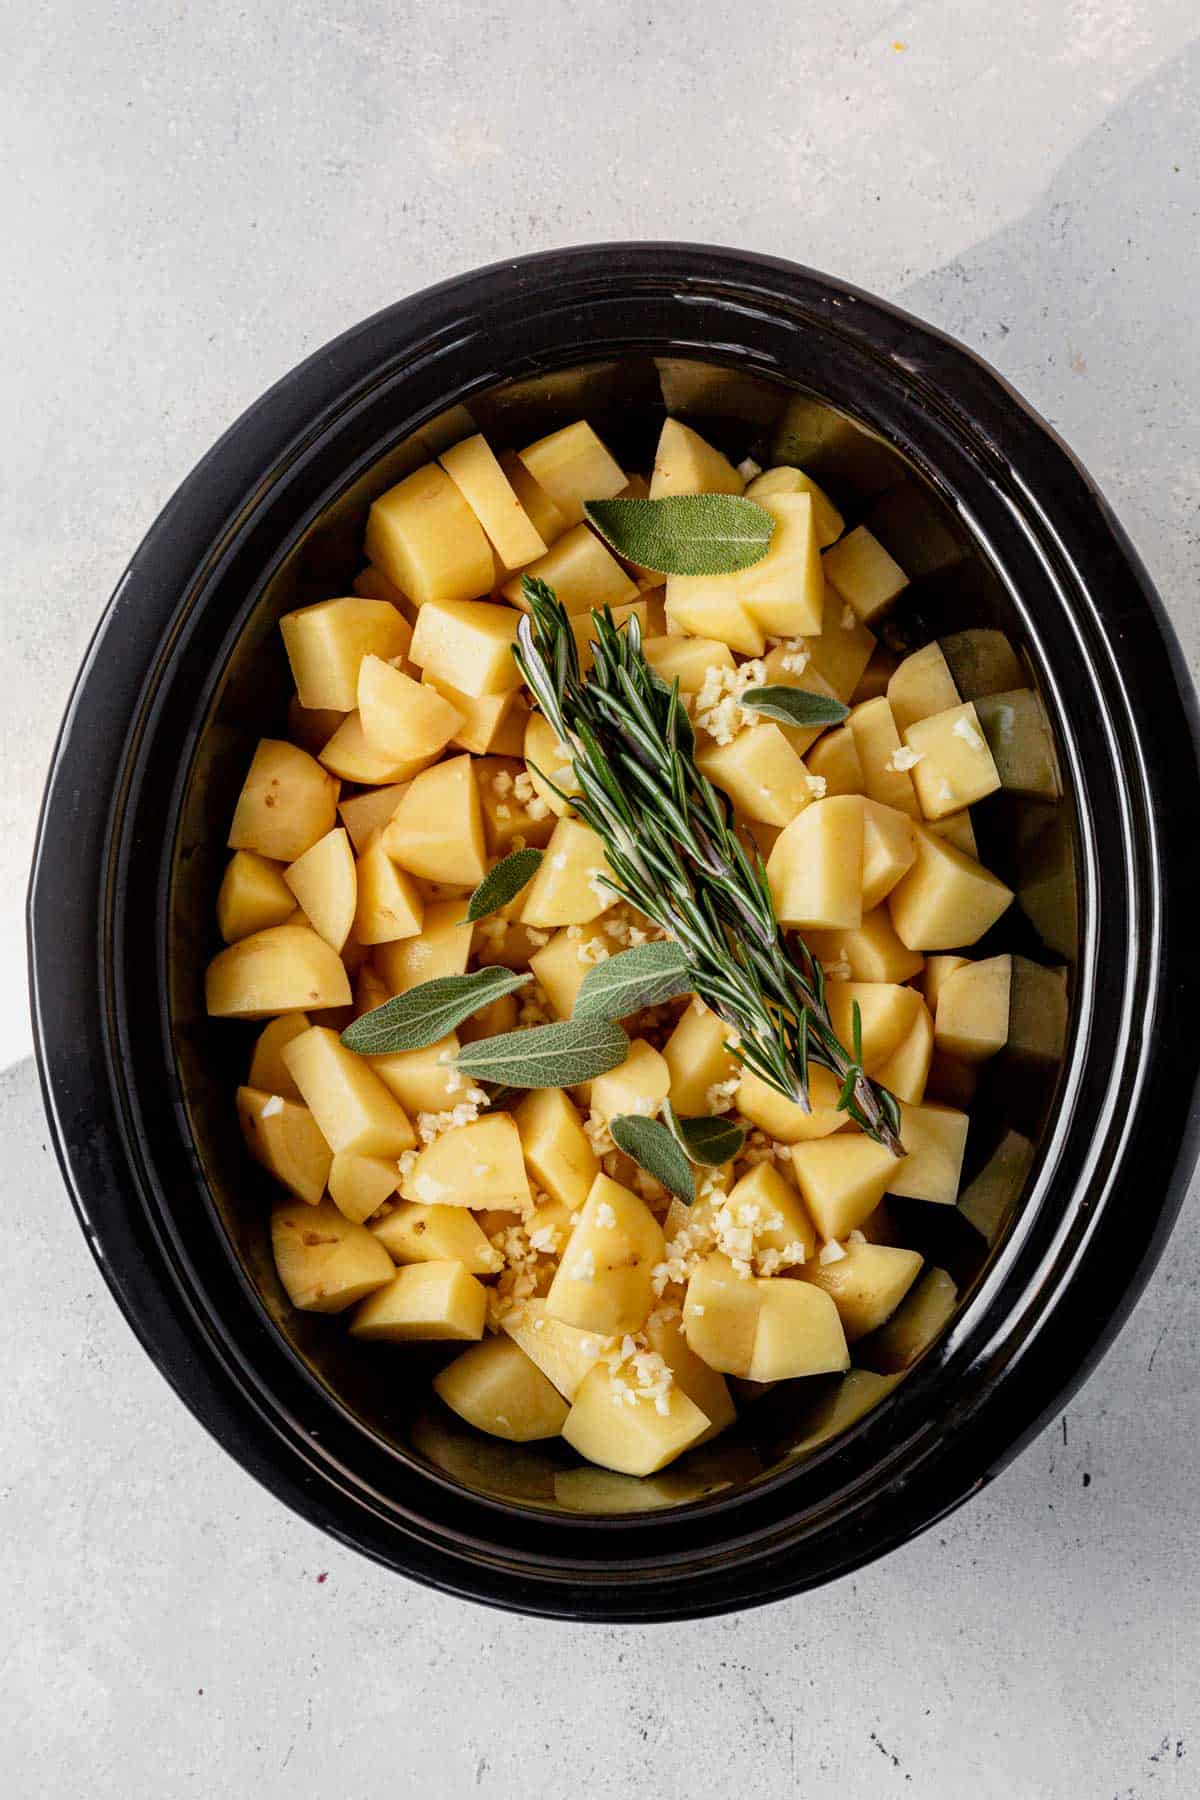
(193, 198)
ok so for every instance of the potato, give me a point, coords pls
(889, 851)
(938, 970)
(686, 659)
(827, 520)
(710, 606)
(866, 1285)
(1021, 743)
(351, 1105)
(887, 1013)
(957, 830)
(543, 514)
(428, 1300)
(760, 772)
(603, 1282)
(946, 900)
(486, 489)
(785, 1120)
(873, 952)
(572, 466)
(633, 1439)
(720, 1315)
(798, 1333)
(785, 591)
(561, 965)
(583, 631)
(497, 1016)
(685, 464)
(365, 814)
(506, 818)
(426, 539)
(973, 1005)
(784, 1224)
(285, 969)
(548, 760)
(703, 1386)
(284, 1138)
(441, 947)
(389, 905)
(921, 686)
(582, 571)
(842, 1179)
(834, 760)
(469, 644)
(359, 1185)
(935, 1138)
(638, 1085)
(351, 755)
(253, 896)
(287, 802)
(477, 1164)
(564, 1354)
(422, 1080)
(267, 1071)
(402, 719)
(325, 1262)
(698, 1060)
(863, 573)
(557, 1151)
(311, 727)
(921, 1316)
(988, 1200)
(906, 1071)
(566, 889)
(495, 1387)
(841, 652)
(815, 869)
(373, 584)
(437, 829)
(325, 884)
(873, 682)
(410, 1233)
(882, 757)
(484, 719)
(326, 643)
(982, 661)
(956, 766)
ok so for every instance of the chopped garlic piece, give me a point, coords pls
(964, 729)
(830, 1253)
(903, 759)
(274, 1105)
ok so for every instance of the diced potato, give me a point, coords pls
(365, 814)
(373, 584)
(437, 829)
(285, 969)
(558, 1153)
(351, 1105)
(956, 766)
(842, 1180)
(441, 947)
(889, 851)
(935, 1138)
(560, 967)
(422, 1080)
(564, 1354)
(404, 720)
(760, 772)
(921, 1316)
(685, 464)
(686, 659)
(633, 1439)
(253, 896)
(957, 830)
(603, 1282)
(798, 1333)
(720, 1315)
(325, 1262)
(863, 573)
(826, 517)
(880, 753)
(873, 952)
(988, 1200)
(410, 1233)
(906, 1071)
(938, 970)
(479, 1164)
(484, 719)
(324, 883)
(543, 514)
(426, 539)
(283, 1137)
(784, 1223)
(785, 1120)
(566, 889)
(834, 758)
(481, 481)
(921, 686)
(982, 661)
(873, 682)
(495, 1387)
(548, 760)
(703, 1386)
(427, 1300)
(326, 643)
(710, 606)
(572, 466)
(698, 1060)
(350, 755)
(287, 802)
(311, 727)
(639, 1085)
(785, 592)
(505, 817)
(973, 1005)
(843, 649)
(887, 1012)
(389, 905)
(946, 900)
(267, 1070)
(866, 1285)
(359, 1185)
(468, 643)
(1021, 743)
(815, 869)
(583, 572)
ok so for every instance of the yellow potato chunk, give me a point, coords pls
(946, 900)
(558, 1153)
(486, 489)
(428, 1300)
(478, 1164)
(404, 720)
(938, 970)
(283, 1137)
(350, 754)
(841, 652)
(889, 851)
(253, 896)
(311, 727)
(326, 643)
(561, 965)
(785, 1120)
(422, 1080)
(703, 1386)
(603, 1282)
(1021, 742)
(834, 759)
(267, 1070)
(827, 520)
(863, 573)
(887, 1011)
(956, 766)
(686, 659)
(921, 1316)
(815, 869)
(720, 1315)
(885, 775)
(871, 953)
(921, 686)
(359, 1185)
(783, 1224)
(842, 1180)
(412, 1233)
(798, 1333)
(866, 1285)
(566, 889)
(495, 1387)
(373, 584)
(469, 644)
(325, 884)
(957, 830)
(710, 606)
(351, 1105)
(973, 1004)
(760, 772)
(631, 1436)
(638, 1085)
(582, 571)
(935, 1138)
(484, 719)
(389, 904)
(906, 1071)
(564, 1354)
(325, 1262)
(285, 969)
(506, 817)
(426, 539)
(543, 514)
(287, 802)
(785, 592)
(365, 814)
(548, 760)
(437, 830)
(572, 466)
(441, 947)
(698, 1060)
(685, 464)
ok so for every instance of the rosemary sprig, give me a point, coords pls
(669, 839)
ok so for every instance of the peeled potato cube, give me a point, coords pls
(955, 767)
(938, 970)
(887, 1013)
(883, 758)
(285, 969)
(827, 520)
(437, 1301)
(815, 869)
(347, 1099)
(561, 965)
(557, 1150)
(359, 1185)
(327, 642)
(365, 814)
(710, 606)
(842, 650)
(685, 464)
(982, 661)
(441, 947)
(866, 1285)
(784, 1225)
(875, 677)
(437, 830)
(422, 1080)
(506, 817)
(627, 1434)
(283, 1137)
(543, 514)
(412, 1233)
(889, 851)
(785, 592)
(287, 802)
(798, 1333)
(973, 1003)
(564, 1354)
(703, 1386)
(699, 1062)
(582, 571)
(483, 718)
(906, 1071)
(958, 830)
(572, 466)
(603, 1282)
(325, 1262)
(350, 754)
(267, 1070)
(638, 1085)
(863, 573)
(325, 884)
(1021, 742)
(477, 1164)
(548, 760)
(946, 900)
(373, 584)
(567, 889)
(686, 659)
(921, 1316)
(834, 760)
(426, 539)
(921, 686)
(784, 1120)
(935, 1138)
(389, 905)
(469, 644)
(873, 952)
(720, 1315)
(253, 896)
(842, 1180)
(495, 1387)
(401, 718)
(311, 727)
(760, 772)
(483, 484)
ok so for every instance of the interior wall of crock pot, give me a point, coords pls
(1028, 840)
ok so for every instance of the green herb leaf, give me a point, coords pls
(794, 706)
(685, 534)
(502, 884)
(654, 1149)
(644, 976)
(546, 1055)
(428, 1012)
(709, 1142)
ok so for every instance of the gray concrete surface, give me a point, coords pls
(194, 197)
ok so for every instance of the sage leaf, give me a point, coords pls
(545, 1056)
(654, 1149)
(502, 884)
(794, 706)
(644, 976)
(708, 1141)
(685, 534)
(428, 1012)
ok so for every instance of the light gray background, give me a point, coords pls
(194, 197)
